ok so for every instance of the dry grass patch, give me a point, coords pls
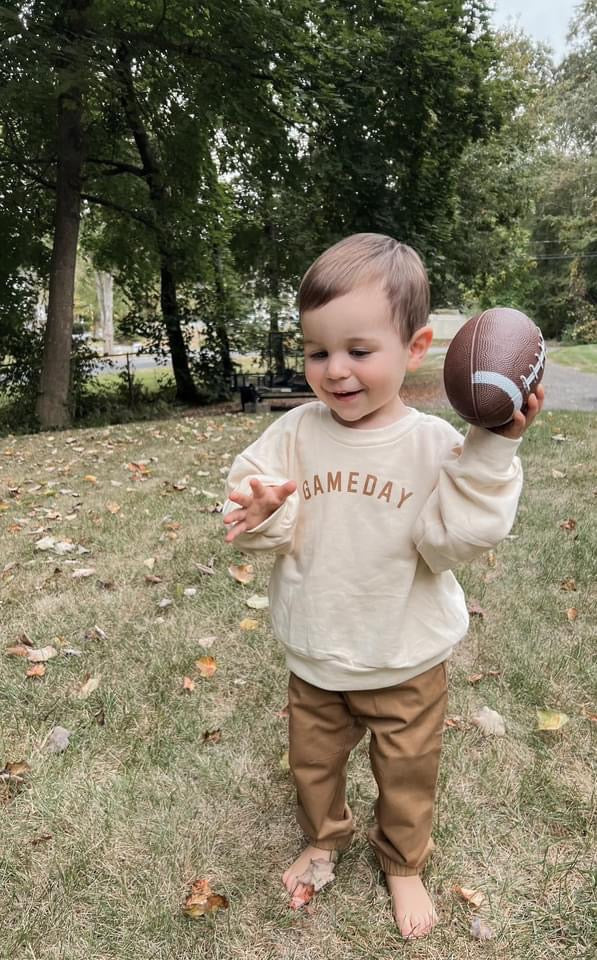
(139, 805)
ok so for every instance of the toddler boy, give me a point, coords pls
(368, 505)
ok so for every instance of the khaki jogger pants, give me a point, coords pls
(406, 724)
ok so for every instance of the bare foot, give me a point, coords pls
(302, 862)
(413, 910)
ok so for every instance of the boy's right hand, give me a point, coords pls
(256, 506)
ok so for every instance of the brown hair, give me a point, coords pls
(364, 258)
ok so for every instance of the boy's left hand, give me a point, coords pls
(517, 426)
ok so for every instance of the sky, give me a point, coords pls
(545, 20)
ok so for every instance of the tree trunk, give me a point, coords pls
(52, 406)
(186, 390)
(276, 337)
(221, 319)
(104, 285)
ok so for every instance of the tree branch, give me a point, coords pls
(118, 167)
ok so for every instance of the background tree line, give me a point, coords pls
(204, 154)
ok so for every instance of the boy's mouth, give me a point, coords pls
(346, 394)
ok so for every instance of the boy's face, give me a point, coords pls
(355, 360)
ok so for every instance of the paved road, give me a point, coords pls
(569, 389)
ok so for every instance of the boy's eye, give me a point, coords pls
(322, 353)
(360, 353)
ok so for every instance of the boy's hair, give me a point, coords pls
(365, 258)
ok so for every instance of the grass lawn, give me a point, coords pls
(582, 356)
(102, 842)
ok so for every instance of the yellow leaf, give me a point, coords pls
(284, 761)
(248, 624)
(206, 666)
(202, 900)
(474, 897)
(87, 687)
(242, 573)
(90, 478)
(550, 720)
(38, 670)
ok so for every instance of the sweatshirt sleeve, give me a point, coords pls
(473, 506)
(267, 460)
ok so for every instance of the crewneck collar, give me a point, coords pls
(363, 438)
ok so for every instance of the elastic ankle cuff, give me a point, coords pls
(337, 845)
(397, 869)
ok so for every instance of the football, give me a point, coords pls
(495, 361)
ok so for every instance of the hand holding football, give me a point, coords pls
(493, 364)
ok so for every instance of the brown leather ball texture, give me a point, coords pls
(495, 361)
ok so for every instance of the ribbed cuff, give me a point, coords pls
(490, 449)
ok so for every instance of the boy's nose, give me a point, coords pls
(337, 368)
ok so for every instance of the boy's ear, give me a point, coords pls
(418, 346)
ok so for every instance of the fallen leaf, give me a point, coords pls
(242, 573)
(559, 437)
(206, 642)
(474, 897)
(248, 624)
(569, 524)
(489, 722)
(66, 546)
(90, 478)
(58, 740)
(206, 666)
(202, 900)
(113, 507)
(455, 722)
(165, 602)
(301, 896)
(152, 578)
(568, 584)
(480, 930)
(475, 610)
(189, 592)
(212, 736)
(558, 475)
(15, 771)
(41, 839)
(550, 720)
(38, 670)
(202, 568)
(572, 613)
(284, 761)
(188, 684)
(319, 873)
(149, 563)
(87, 687)
(83, 572)
(257, 602)
(476, 677)
(46, 543)
(43, 654)
(17, 650)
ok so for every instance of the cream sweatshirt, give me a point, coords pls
(362, 594)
